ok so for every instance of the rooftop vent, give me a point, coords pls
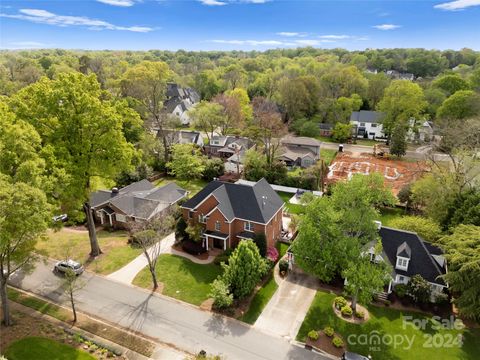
(115, 190)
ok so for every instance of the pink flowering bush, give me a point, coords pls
(272, 254)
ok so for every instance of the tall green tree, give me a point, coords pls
(83, 129)
(146, 82)
(426, 228)
(24, 213)
(402, 101)
(462, 250)
(187, 162)
(364, 278)
(461, 105)
(207, 117)
(244, 270)
(451, 83)
(398, 141)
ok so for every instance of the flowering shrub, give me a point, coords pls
(272, 254)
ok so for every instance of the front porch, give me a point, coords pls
(215, 240)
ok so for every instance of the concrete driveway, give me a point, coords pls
(286, 310)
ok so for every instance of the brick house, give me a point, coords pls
(230, 212)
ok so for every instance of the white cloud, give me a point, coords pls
(45, 17)
(123, 3)
(226, 2)
(213, 2)
(387, 27)
(290, 34)
(249, 42)
(335, 37)
(457, 5)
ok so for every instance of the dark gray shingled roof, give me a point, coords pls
(256, 203)
(139, 199)
(366, 116)
(421, 262)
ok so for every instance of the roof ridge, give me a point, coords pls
(400, 230)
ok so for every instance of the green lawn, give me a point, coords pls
(390, 321)
(389, 214)
(291, 208)
(327, 155)
(182, 279)
(297, 171)
(260, 300)
(282, 248)
(76, 245)
(193, 186)
(39, 348)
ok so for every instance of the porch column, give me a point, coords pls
(110, 219)
(390, 287)
(102, 217)
(206, 242)
(225, 244)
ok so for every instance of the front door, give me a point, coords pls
(218, 243)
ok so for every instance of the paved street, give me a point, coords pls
(162, 318)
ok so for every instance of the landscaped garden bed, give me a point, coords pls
(326, 340)
(387, 322)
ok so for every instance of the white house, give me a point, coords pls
(367, 124)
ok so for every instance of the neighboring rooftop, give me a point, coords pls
(252, 203)
(140, 199)
(425, 258)
(367, 116)
(300, 140)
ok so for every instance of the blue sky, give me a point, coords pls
(238, 24)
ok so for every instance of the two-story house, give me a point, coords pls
(230, 212)
(409, 255)
(300, 151)
(226, 146)
(367, 124)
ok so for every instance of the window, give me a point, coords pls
(402, 263)
(120, 218)
(362, 124)
(217, 226)
(190, 214)
(401, 278)
(248, 226)
(373, 125)
(202, 219)
(215, 142)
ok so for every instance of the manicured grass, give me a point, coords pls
(193, 186)
(387, 215)
(390, 321)
(37, 304)
(328, 139)
(327, 155)
(291, 208)
(39, 348)
(297, 171)
(282, 248)
(182, 279)
(260, 300)
(76, 245)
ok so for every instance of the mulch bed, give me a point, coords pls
(324, 343)
(353, 319)
(179, 248)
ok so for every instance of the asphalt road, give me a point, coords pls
(165, 319)
(419, 154)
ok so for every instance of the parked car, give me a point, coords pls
(65, 265)
(347, 355)
(60, 218)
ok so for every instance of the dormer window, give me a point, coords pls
(402, 263)
(215, 142)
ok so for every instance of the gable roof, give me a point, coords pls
(139, 199)
(293, 153)
(300, 140)
(256, 203)
(366, 116)
(421, 261)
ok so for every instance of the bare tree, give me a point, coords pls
(71, 284)
(268, 127)
(148, 235)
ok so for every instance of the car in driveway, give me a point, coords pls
(347, 355)
(65, 265)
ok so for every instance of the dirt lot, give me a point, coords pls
(396, 173)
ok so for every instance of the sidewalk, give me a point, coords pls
(127, 273)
